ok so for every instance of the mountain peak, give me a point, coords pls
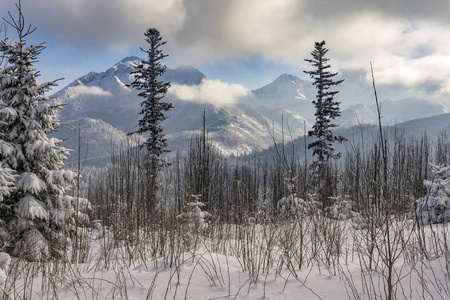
(285, 82)
(129, 58)
(184, 74)
(116, 78)
(286, 86)
(185, 67)
(287, 77)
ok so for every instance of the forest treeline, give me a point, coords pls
(241, 187)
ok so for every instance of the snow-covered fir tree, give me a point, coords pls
(435, 207)
(193, 215)
(152, 89)
(326, 108)
(36, 211)
(146, 80)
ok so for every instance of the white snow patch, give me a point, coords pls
(29, 182)
(5, 260)
(30, 208)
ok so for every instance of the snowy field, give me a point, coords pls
(317, 258)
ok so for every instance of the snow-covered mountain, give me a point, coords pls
(292, 96)
(103, 100)
(357, 114)
(285, 90)
(392, 112)
(287, 95)
(105, 95)
(107, 109)
(432, 125)
(93, 137)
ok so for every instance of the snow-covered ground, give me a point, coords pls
(329, 259)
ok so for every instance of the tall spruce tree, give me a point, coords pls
(36, 211)
(152, 89)
(326, 108)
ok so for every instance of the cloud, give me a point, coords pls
(404, 38)
(112, 24)
(90, 90)
(279, 29)
(210, 91)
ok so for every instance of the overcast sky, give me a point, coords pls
(251, 42)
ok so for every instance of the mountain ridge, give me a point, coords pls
(235, 128)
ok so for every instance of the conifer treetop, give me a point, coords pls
(326, 108)
(152, 89)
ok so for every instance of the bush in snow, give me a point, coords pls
(289, 206)
(194, 214)
(435, 207)
(98, 231)
(293, 206)
(340, 209)
(37, 209)
(263, 211)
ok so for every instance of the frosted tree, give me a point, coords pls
(326, 108)
(152, 89)
(435, 207)
(36, 211)
(193, 214)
